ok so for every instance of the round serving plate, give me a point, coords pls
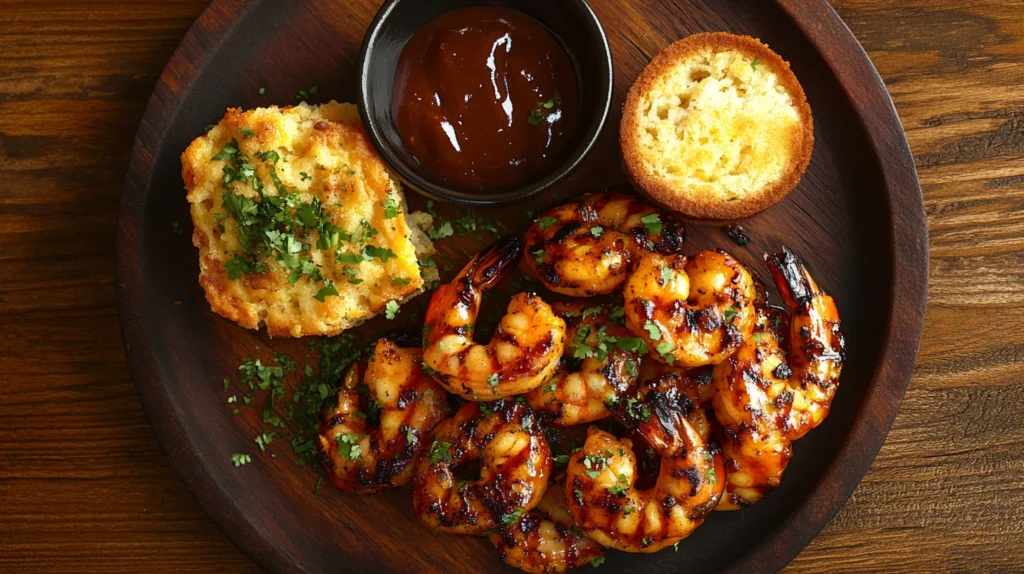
(857, 219)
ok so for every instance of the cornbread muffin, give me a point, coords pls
(299, 225)
(716, 126)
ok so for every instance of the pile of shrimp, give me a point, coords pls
(684, 387)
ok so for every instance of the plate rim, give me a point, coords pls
(877, 115)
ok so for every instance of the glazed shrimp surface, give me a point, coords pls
(546, 540)
(690, 311)
(817, 347)
(589, 245)
(514, 459)
(664, 398)
(608, 507)
(524, 352)
(765, 397)
(406, 402)
(595, 370)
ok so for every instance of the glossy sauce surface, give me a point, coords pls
(485, 97)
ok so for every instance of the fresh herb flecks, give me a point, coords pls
(544, 110)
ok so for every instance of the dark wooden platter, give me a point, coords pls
(857, 218)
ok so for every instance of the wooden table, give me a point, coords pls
(84, 485)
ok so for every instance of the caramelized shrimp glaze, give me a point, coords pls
(407, 405)
(589, 246)
(525, 350)
(506, 441)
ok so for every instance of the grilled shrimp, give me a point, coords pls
(606, 504)
(817, 347)
(524, 352)
(406, 402)
(765, 397)
(595, 371)
(696, 382)
(664, 398)
(588, 246)
(515, 462)
(691, 312)
(546, 539)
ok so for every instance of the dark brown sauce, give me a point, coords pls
(485, 97)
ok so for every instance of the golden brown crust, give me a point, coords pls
(324, 155)
(662, 192)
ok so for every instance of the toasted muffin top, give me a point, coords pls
(716, 126)
(299, 225)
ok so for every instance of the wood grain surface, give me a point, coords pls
(84, 485)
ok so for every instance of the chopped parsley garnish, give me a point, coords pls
(390, 208)
(665, 349)
(304, 95)
(279, 228)
(597, 561)
(631, 368)
(666, 274)
(439, 451)
(492, 381)
(263, 91)
(240, 459)
(617, 314)
(391, 310)
(512, 517)
(264, 438)
(632, 345)
(348, 445)
(400, 281)
(305, 176)
(757, 338)
(550, 387)
(595, 462)
(326, 291)
(755, 63)
(653, 331)
(652, 222)
(620, 488)
(560, 459)
(441, 231)
(596, 231)
(546, 222)
(543, 110)
(176, 228)
(538, 255)
(636, 410)
(730, 313)
(247, 132)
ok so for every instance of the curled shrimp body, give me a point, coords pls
(665, 398)
(546, 539)
(595, 371)
(406, 402)
(514, 459)
(606, 504)
(690, 312)
(817, 348)
(525, 350)
(765, 397)
(588, 246)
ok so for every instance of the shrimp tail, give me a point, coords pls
(491, 264)
(791, 277)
